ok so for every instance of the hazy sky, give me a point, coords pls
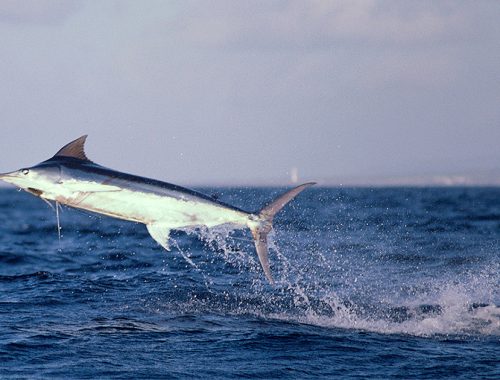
(202, 92)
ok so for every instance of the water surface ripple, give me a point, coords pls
(371, 283)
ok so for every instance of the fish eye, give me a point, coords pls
(25, 171)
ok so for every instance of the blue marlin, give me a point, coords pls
(70, 178)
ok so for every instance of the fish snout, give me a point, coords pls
(14, 178)
(6, 176)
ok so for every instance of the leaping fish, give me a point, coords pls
(71, 179)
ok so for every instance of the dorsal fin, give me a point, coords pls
(75, 149)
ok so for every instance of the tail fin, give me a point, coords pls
(266, 216)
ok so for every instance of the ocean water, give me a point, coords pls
(371, 283)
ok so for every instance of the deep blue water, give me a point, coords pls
(372, 283)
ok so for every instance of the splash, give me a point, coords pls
(460, 305)
(453, 313)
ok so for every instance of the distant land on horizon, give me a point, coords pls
(469, 178)
(472, 178)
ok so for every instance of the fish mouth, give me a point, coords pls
(14, 179)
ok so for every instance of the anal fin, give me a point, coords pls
(260, 239)
(160, 233)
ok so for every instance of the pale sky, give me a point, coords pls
(240, 92)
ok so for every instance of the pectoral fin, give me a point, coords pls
(160, 233)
